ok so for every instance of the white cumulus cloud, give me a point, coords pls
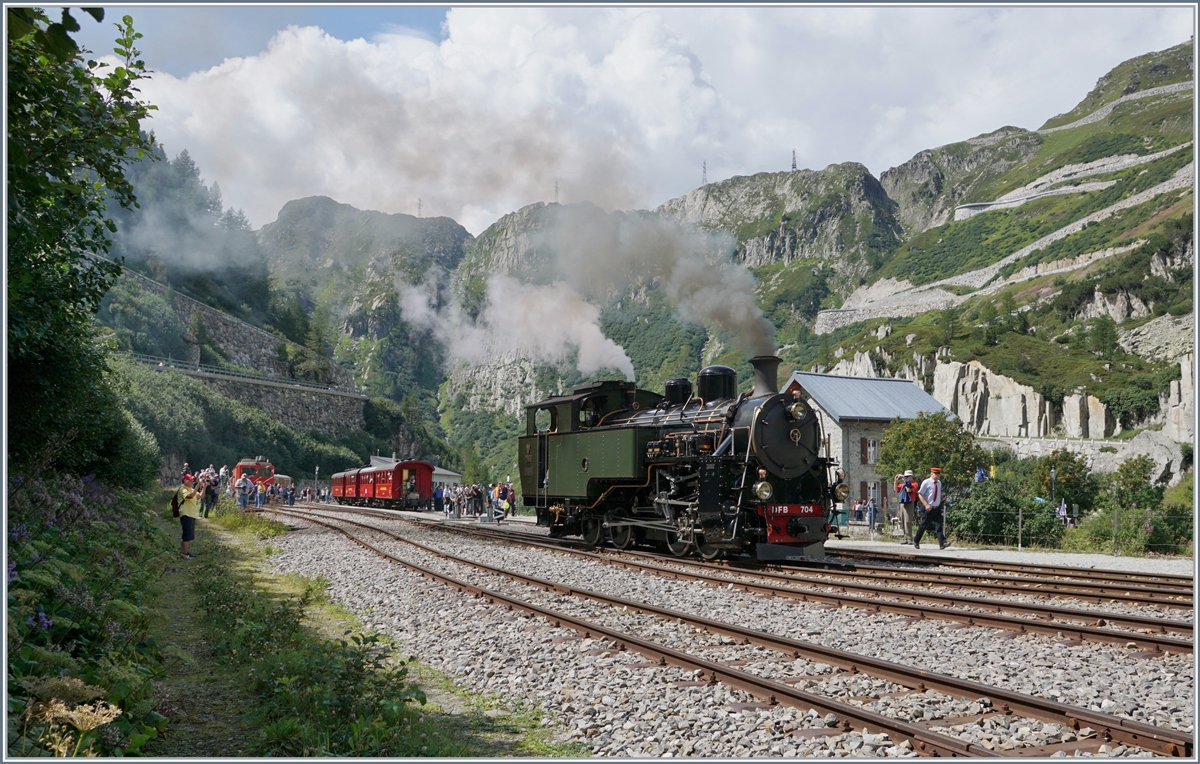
(619, 106)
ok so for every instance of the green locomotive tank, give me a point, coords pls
(707, 472)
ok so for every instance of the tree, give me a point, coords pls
(71, 132)
(947, 323)
(931, 440)
(1072, 480)
(72, 128)
(1103, 337)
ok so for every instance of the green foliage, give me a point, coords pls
(1134, 510)
(143, 322)
(931, 440)
(996, 510)
(181, 235)
(1072, 480)
(1130, 405)
(83, 567)
(198, 424)
(72, 128)
(349, 697)
(661, 346)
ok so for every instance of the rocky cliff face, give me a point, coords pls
(929, 186)
(990, 403)
(840, 214)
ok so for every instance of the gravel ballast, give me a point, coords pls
(619, 707)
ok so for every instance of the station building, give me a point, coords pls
(855, 412)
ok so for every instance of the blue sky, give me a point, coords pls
(474, 112)
(181, 40)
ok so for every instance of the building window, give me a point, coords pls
(872, 451)
(873, 491)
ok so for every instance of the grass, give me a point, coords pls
(211, 696)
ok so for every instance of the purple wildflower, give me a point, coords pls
(42, 623)
(12, 572)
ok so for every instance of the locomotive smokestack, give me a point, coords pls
(766, 375)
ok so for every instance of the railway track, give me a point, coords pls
(1186, 584)
(1111, 728)
(1153, 635)
(1089, 591)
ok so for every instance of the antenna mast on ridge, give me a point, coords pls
(704, 176)
(556, 192)
(418, 207)
(793, 160)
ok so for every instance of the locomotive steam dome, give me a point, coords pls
(678, 391)
(716, 382)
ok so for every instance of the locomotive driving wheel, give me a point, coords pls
(679, 544)
(709, 552)
(622, 536)
(593, 531)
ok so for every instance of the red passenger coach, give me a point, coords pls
(401, 485)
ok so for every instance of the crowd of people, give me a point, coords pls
(474, 500)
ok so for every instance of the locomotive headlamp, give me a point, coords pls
(763, 490)
(798, 410)
(841, 491)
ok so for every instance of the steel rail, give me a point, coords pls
(1080, 590)
(1117, 728)
(923, 740)
(1168, 580)
(1150, 643)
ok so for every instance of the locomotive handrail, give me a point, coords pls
(188, 367)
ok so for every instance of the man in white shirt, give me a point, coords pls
(930, 496)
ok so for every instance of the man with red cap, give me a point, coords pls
(930, 496)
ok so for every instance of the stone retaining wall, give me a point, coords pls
(303, 410)
(246, 346)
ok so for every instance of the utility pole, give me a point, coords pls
(704, 175)
(418, 207)
(556, 192)
(793, 160)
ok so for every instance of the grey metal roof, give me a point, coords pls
(866, 398)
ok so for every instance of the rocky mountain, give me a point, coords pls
(1036, 281)
(841, 216)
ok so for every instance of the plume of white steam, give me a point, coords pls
(602, 254)
(540, 322)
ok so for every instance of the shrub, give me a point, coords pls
(83, 563)
(993, 512)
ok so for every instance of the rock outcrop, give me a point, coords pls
(1163, 339)
(1107, 456)
(1119, 306)
(1179, 404)
(929, 186)
(837, 214)
(991, 404)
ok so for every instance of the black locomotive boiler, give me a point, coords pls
(706, 472)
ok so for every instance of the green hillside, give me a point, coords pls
(1152, 70)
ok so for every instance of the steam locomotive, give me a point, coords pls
(708, 472)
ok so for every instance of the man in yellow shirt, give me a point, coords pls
(189, 510)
